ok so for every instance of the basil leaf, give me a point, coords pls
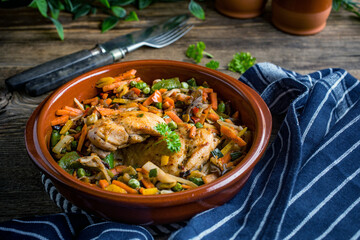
(132, 16)
(59, 28)
(105, 3)
(41, 5)
(144, 3)
(82, 11)
(196, 10)
(118, 11)
(109, 23)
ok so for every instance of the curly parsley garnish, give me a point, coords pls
(196, 51)
(170, 137)
(241, 62)
(213, 64)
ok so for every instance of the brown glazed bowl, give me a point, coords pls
(155, 209)
(240, 8)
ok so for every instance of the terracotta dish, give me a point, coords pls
(154, 209)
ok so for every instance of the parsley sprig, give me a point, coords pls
(197, 51)
(170, 137)
(241, 62)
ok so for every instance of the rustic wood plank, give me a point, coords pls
(26, 40)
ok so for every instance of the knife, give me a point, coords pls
(50, 75)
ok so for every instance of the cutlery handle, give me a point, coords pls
(18, 81)
(55, 79)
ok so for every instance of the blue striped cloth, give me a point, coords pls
(307, 185)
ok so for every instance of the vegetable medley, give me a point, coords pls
(136, 138)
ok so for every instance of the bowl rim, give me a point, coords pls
(49, 166)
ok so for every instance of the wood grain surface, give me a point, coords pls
(27, 39)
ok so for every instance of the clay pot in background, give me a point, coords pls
(300, 17)
(240, 8)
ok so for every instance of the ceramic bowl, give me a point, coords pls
(155, 209)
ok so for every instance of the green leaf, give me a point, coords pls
(81, 11)
(144, 3)
(121, 2)
(196, 10)
(59, 28)
(105, 3)
(109, 23)
(196, 51)
(41, 5)
(241, 62)
(171, 138)
(213, 64)
(55, 11)
(132, 16)
(68, 5)
(118, 11)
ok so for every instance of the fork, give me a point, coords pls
(158, 41)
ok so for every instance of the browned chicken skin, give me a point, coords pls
(123, 129)
(193, 152)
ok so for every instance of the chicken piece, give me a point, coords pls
(93, 161)
(123, 129)
(193, 152)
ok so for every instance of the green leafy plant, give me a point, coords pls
(196, 52)
(348, 5)
(213, 64)
(170, 137)
(241, 62)
(115, 9)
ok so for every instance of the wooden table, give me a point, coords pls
(26, 40)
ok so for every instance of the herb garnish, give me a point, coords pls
(196, 51)
(169, 136)
(213, 64)
(241, 62)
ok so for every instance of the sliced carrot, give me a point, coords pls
(116, 85)
(143, 171)
(163, 90)
(207, 90)
(126, 75)
(147, 183)
(174, 117)
(225, 159)
(231, 134)
(236, 115)
(136, 90)
(205, 96)
(82, 138)
(170, 101)
(124, 186)
(106, 111)
(213, 100)
(192, 132)
(213, 117)
(167, 120)
(88, 101)
(186, 186)
(103, 183)
(60, 120)
(228, 121)
(104, 95)
(204, 115)
(155, 97)
(143, 108)
(108, 101)
(61, 112)
(73, 109)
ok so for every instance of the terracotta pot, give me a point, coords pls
(240, 8)
(153, 209)
(301, 17)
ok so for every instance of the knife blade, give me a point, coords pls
(87, 57)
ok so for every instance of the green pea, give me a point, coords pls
(198, 125)
(80, 172)
(177, 187)
(158, 105)
(141, 85)
(133, 83)
(134, 183)
(146, 90)
(172, 125)
(184, 85)
(55, 138)
(221, 107)
(78, 128)
(197, 181)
